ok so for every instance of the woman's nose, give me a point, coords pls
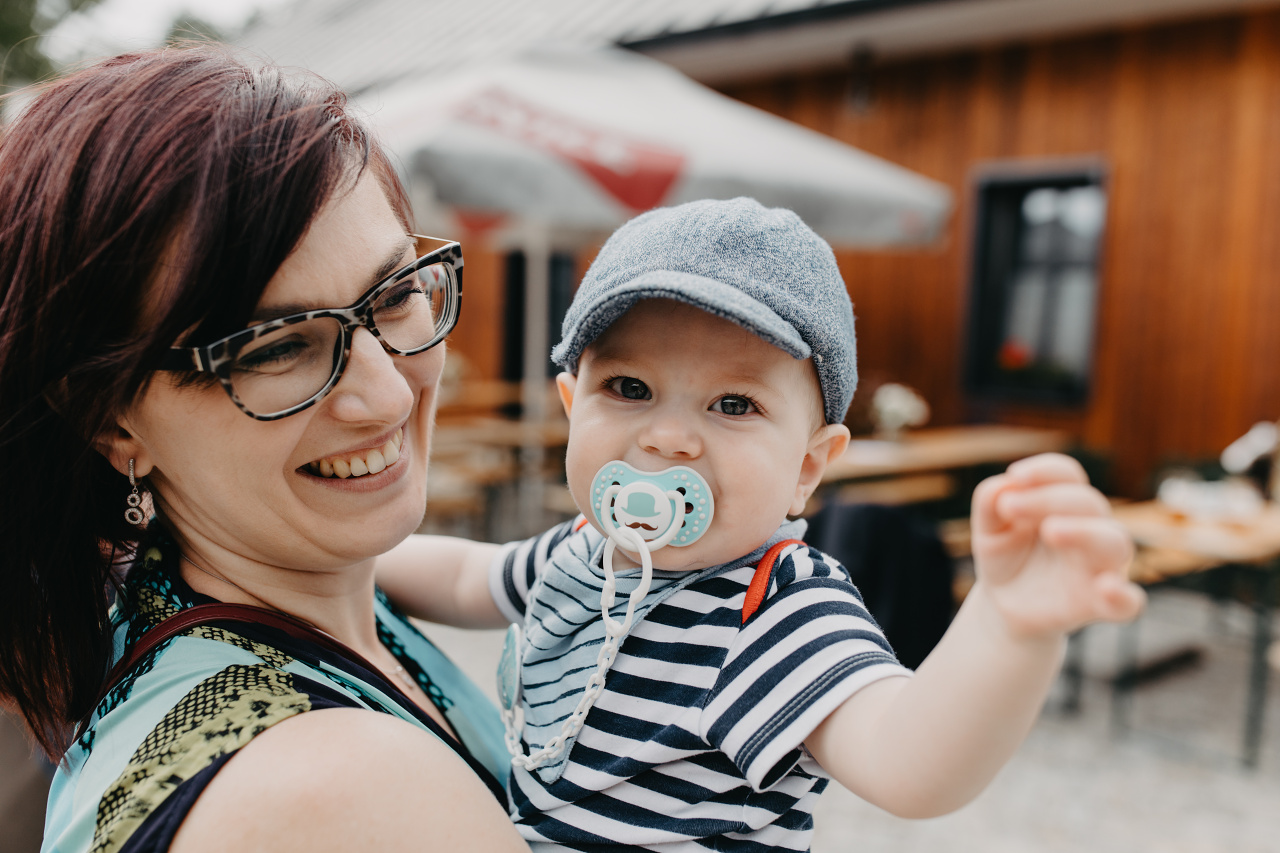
(671, 435)
(371, 387)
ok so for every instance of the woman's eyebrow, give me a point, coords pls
(393, 262)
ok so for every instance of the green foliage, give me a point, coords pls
(22, 22)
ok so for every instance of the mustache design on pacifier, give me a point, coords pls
(671, 507)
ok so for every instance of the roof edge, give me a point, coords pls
(801, 17)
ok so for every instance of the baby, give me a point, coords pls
(686, 672)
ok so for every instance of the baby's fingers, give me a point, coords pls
(1103, 540)
(1026, 476)
(1033, 504)
(1119, 600)
(1105, 550)
(1047, 468)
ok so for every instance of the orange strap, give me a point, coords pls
(760, 581)
(580, 525)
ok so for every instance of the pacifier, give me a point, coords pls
(671, 507)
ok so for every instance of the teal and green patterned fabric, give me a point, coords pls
(162, 733)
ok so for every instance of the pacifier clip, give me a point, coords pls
(639, 512)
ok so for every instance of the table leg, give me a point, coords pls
(1073, 673)
(1124, 680)
(1255, 710)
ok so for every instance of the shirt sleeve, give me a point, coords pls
(811, 645)
(518, 564)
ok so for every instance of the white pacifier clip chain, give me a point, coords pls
(614, 632)
(675, 509)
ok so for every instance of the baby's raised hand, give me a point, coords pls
(1047, 551)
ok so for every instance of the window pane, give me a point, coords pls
(1073, 326)
(1035, 286)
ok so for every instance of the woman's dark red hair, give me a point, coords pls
(148, 197)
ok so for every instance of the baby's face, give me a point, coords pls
(669, 384)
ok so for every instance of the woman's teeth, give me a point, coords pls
(359, 464)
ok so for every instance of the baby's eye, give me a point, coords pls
(732, 404)
(630, 388)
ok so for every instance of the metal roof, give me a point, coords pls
(363, 44)
(367, 44)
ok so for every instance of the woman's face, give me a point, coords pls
(225, 481)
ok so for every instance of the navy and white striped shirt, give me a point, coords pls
(696, 741)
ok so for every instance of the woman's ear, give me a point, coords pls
(566, 384)
(119, 444)
(827, 443)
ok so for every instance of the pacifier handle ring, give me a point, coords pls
(613, 626)
(606, 516)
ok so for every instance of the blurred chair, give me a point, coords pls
(899, 564)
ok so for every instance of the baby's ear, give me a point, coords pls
(827, 443)
(566, 384)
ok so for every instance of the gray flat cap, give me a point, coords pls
(762, 268)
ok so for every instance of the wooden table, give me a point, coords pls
(942, 449)
(916, 467)
(1253, 540)
(1172, 544)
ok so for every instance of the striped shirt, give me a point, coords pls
(697, 740)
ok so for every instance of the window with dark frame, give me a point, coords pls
(561, 282)
(1034, 286)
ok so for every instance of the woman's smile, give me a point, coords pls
(352, 471)
(360, 463)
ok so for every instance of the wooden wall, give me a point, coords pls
(476, 342)
(1186, 118)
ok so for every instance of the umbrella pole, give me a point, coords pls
(533, 395)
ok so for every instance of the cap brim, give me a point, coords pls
(714, 297)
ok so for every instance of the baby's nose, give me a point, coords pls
(671, 436)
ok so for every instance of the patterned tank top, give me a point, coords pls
(160, 735)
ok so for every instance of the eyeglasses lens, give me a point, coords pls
(286, 367)
(413, 311)
(289, 366)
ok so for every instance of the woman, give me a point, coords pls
(155, 207)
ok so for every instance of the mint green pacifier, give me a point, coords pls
(671, 507)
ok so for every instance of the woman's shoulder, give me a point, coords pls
(345, 779)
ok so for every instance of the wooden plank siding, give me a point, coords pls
(1185, 118)
(477, 339)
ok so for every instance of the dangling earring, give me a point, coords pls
(133, 514)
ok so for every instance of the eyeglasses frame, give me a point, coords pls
(216, 358)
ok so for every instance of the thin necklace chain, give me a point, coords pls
(400, 671)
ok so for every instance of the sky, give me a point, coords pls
(116, 25)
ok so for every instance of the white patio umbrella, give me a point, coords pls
(575, 140)
(588, 138)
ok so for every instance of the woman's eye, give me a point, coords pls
(408, 292)
(630, 388)
(275, 357)
(732, 404)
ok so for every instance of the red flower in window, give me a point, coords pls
(1013, 355)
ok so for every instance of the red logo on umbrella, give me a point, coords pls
(638, 174)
